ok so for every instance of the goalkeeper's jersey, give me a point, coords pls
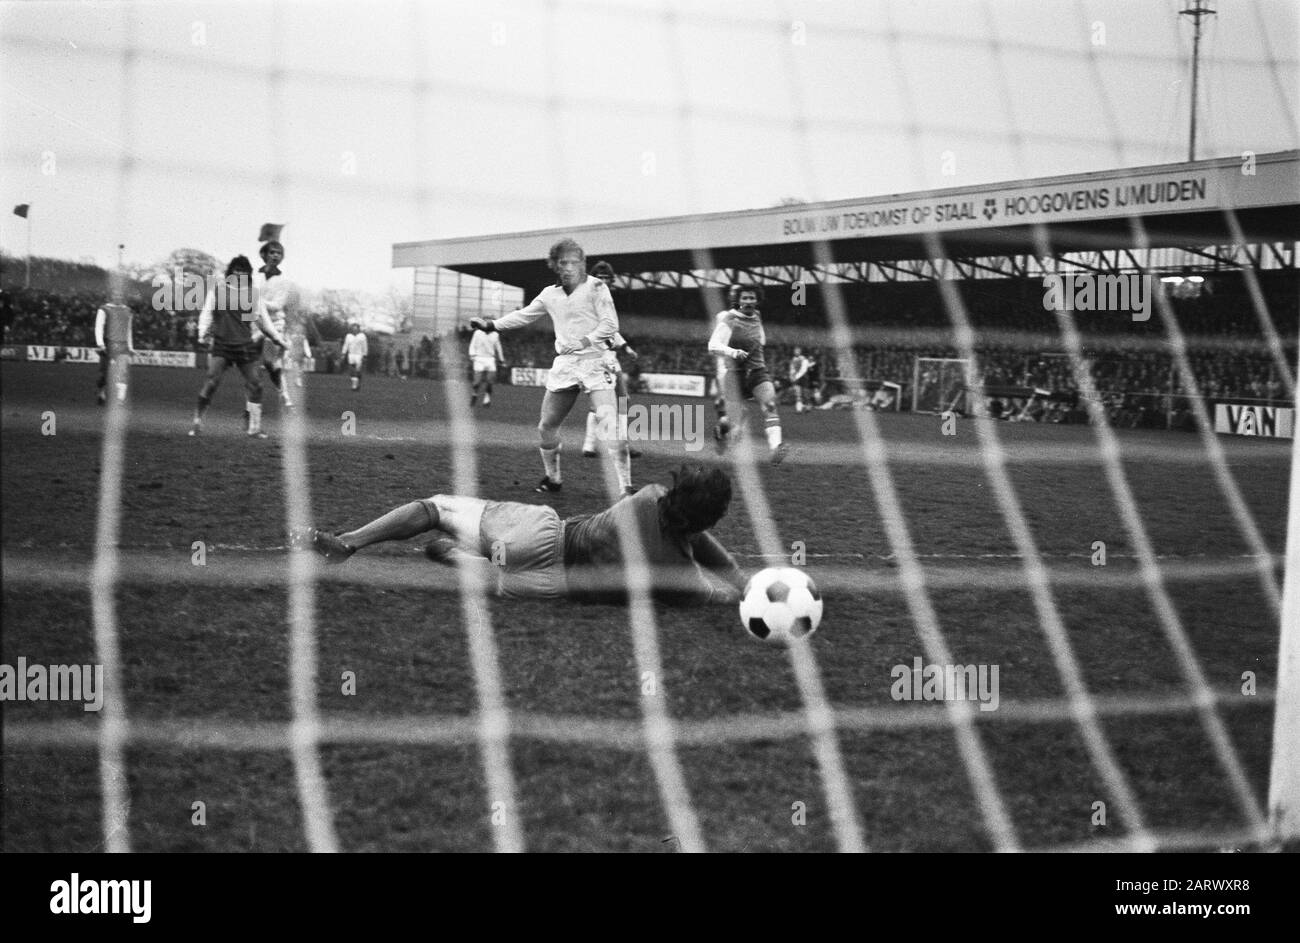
(593, 553)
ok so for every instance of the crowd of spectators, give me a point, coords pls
(1133, 377)
(1224, 306)
(67, 319)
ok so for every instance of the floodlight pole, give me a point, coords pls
(1196, 11)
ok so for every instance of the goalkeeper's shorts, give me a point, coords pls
(526, 542)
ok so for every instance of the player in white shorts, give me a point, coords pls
(281, 299)
(355, 348)
(617, 345)
(484, 354)
(583, 314)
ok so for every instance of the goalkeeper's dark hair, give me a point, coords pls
(239, 265)
(698, 499)
(565, 245)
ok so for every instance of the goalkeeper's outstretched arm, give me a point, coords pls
(711, 555)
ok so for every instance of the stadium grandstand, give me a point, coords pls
(1040, 468)
(1217, 236)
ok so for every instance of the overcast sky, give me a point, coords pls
(361, 124)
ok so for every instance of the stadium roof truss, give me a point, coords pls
(1196, 217)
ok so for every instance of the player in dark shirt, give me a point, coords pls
(113, 340)
(737, 344)
(226, 328)
(530, 551)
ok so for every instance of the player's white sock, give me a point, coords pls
(254, 418)
(589, 442)
(622, 462)
(551, 462)
(284, 395)
(773, 431)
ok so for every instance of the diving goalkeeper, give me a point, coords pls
(531, 552)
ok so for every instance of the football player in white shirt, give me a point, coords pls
(281, 298)
(355, 349)
(799, 378)
(583, 314)
(618, 345)
(484, 354)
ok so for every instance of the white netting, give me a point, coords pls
(547, 122)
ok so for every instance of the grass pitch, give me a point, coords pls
(206, 660)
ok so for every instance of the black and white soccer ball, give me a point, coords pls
(781, 605)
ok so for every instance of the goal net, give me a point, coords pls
(1108, 601)
(941, 384)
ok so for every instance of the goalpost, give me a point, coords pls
(939, 384)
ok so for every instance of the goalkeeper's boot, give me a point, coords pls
(324, 544)
(546, 486)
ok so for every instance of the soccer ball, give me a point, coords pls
(781, 605)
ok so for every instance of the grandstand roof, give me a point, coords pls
(1182, 204)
